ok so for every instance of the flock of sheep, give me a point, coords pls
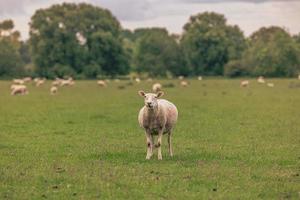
(260, 79)
(19, 86)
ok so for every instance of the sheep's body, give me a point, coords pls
(101, 83)
(244, 83)
(19, 89)
(157, 117)
(156, 87)
(165, 117)
(39, 82)
(270, 84)
(200, 78)
(18, 81)
(184, 83)
(53, 90)
(27, 79)
(261, 79)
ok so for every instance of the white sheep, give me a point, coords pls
(270, 84)
(102, 83)
(156, 87)
(180, 77)
(261, 79)
(56, 82)
(18, 81)
(19, 89)
(39, 82)
(67, 82)
(299, 77)
(200, 78)
(27, 79)
(53, 90)
(157, 117)
(138, 80)
(184, 83)
(244, 83)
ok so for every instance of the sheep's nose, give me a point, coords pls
(149, 103)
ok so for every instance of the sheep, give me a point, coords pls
(27, 79)
(270, 84)
(53, 90)
(19, 89)
(261, 79)
(18, 81)
(157, 117)
(156, 87)
(56, 83)
(244, 83)
(39, 82)
(67, 82)
(180, 77)
(138, 80)
(184, 83)
(299, 77)
(102, 83)
(200, 78)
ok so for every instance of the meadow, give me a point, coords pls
(85, 142)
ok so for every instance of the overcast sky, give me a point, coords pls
(250, 15)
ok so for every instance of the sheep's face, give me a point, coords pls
(150, 99)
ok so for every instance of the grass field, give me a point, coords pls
(85, 143)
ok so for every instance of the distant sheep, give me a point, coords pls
(180, 77)
(67, 82)
(156, 87)
(138, 80)
(184, 83)
(157, 117)
(19, 89)
(39, 82)
(200, 78)
(299, 77)
(18, 81)
(27, 79)
(261, 79)
(244, 83)
(102, 83)
(270, 84)
(53, 90)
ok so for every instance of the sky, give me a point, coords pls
(249, 15)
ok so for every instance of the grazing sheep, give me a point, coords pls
(53, 90)
(299, 76)
(157, 117)
(200, 78)
(18, 81)
(56, 83)
(27, 79)
(19, 89)
(270, 84)
(67, 82)
(244, 83)
(156, 87)
(39, 82)
(138, 80)
(180, 77)
(184, 83)
(261, 79)
(102, 83)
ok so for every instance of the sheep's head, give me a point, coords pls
(151, 98)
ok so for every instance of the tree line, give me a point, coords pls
(86, 41)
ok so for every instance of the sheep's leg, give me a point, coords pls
(170, 145)
(159, 143)
(149, 146)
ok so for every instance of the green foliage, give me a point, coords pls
(272, 52)
(209, 43)
(72, 35)
(157, 53)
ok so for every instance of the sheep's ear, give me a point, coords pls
(160, 94)
(142, 93)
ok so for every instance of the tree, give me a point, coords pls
(272, 52)
(10, 60)
(209, 43)
(68, 36)
(157, 53)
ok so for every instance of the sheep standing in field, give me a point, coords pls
(53, 90)
(184, 83)
(27, 79)
(180, 77)
(56, 82)
(102, 83)
(39, 82)
(261, 79)
(299, 77)
(270, 84)
(19, 89)
(200, 78)
(244, 83)
(156, 87)
(157, 117)
(18, 81)
(137, 80)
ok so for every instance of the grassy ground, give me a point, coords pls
(85, 143)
